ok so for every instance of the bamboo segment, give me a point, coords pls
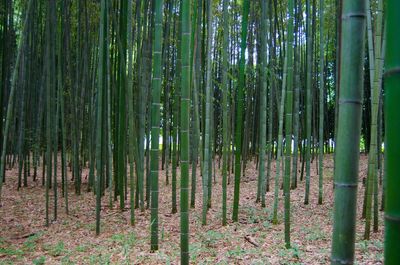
(348, 135)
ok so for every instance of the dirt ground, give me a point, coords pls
(71, 239)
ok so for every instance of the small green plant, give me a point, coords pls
(362, 245)
(81, 248)
(236, 252)
(166, 259)
(252, 215)
(194, 250)
(378, 244)
(6, 262)
(291, 253)
(11, 251)
(126, 251)
(30, 243)
(93, 259)
(379, 258)
(258, 262)
(118, 238)
(267, 224)
(91, 227)
(106, 259)
(314, 233)
(99, 259)
(211, 237)
(55, 250)
(295, 252)
(129, 239)
(162, 233)
(67, 261)
(39, 261)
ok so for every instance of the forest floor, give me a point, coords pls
(253, 240)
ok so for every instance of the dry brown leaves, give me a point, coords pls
(254, 240)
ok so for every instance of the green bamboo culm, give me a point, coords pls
(371, 59)
(184, 136)
(308, 99)
(61, 82)
(375, 95)
(177, 89)
(133, 152)
(296, 96)
(142, 51)
(155, 121)
(270, 118)
(392, 129)
(50, 90)
(349, 128)
(225, 87)
(207, 130)
(263, 103)
(280, 142)
(239, 113)
(288, 122)
(195, 73)
(55, 107)
(122, 82)
(108, 118)
(321, 102)
(99, 121)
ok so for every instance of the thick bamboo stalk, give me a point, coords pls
(185, 112)
(155, 121)
(348, 135)
(288, 122)
(392, 129)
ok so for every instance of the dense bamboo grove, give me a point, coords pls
(125, 90)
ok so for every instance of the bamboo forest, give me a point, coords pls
(199, 132)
